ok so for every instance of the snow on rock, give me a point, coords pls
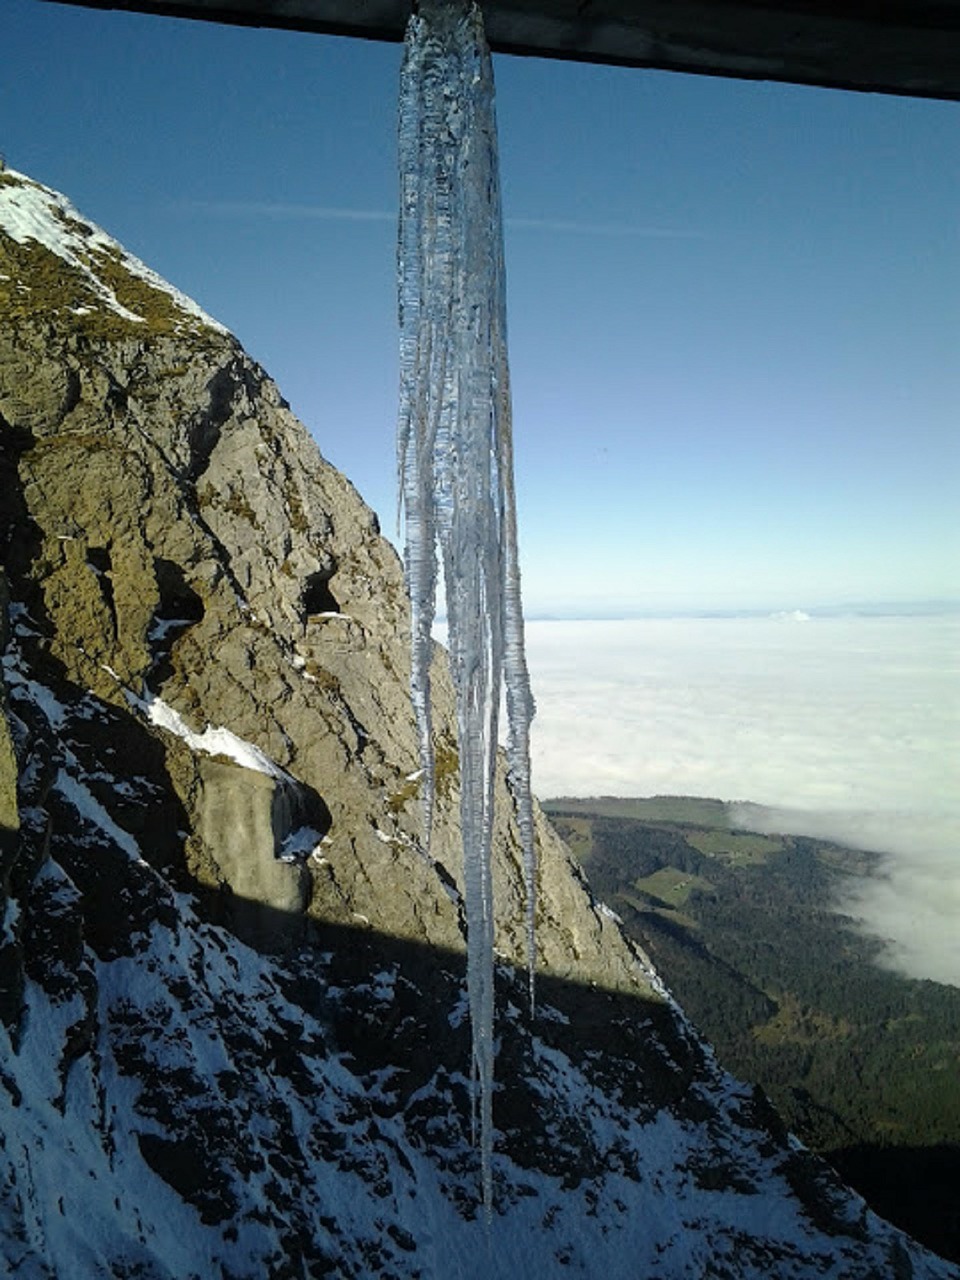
(303, 842)
(215, 740)
(88, 807)
(211, 1128)
(30, 211)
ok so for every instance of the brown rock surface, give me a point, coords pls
(182, 538)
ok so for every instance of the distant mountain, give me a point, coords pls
(232, 1013)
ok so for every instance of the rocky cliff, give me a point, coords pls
(232, 1025)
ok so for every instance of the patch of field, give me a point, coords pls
(856, 862)
(650, 905)
(672, 886)
(577, 835)
(735, 848)
(894, 1024)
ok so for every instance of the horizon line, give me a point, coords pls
(930, 607)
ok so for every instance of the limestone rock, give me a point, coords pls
(9, 814)
(189, 543)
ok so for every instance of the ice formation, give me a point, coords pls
(456, 463)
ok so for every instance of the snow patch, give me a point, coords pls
(22, 686)
(301, 844)
(213, 741)
(8, 925)
(89, 807)
(609, 912)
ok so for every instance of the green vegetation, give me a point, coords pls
(671, 887)
(57, 288)
(236, 502)
(446, 766)
(863, 1063)
(408, 790)
(295, 509)
(739, 849)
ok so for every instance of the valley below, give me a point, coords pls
(748, 932)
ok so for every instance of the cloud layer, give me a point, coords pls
(847, 728)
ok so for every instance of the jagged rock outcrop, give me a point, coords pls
(172, 512)
(230, 973)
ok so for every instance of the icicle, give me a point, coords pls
(455, 462)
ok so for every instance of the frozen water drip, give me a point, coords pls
(455, 465)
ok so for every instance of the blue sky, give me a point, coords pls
(734, 308)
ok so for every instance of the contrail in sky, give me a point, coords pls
(271, 209)
(336, 213)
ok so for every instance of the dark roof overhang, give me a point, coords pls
(887, 46)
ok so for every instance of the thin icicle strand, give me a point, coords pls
(455, 464)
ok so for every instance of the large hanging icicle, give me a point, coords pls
(455, 461)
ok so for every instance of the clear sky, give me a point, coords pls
(734, 308)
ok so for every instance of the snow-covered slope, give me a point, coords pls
(233, 1035)
(33, 213)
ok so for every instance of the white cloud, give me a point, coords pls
(848, 728)
(913, 903)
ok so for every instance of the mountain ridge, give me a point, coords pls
(224, 948)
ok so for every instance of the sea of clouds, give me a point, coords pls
(842, 727)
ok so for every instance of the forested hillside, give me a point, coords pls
(863, 1064)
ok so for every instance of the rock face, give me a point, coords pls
(231, 976)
